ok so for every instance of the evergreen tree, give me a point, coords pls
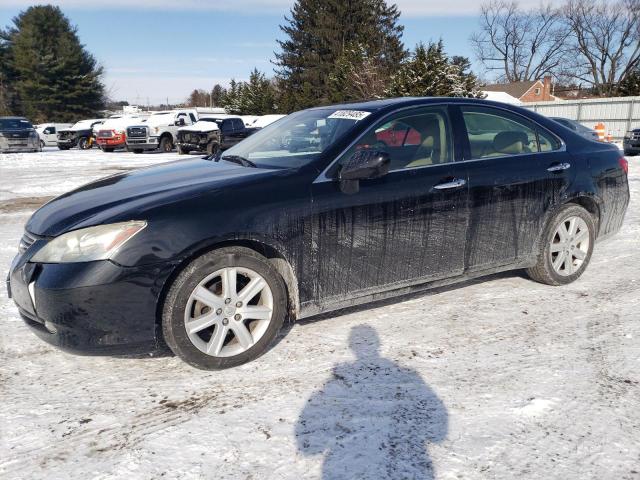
(430, 73)
(257, 96)
(232, 97)
(357, 76)
(217, 95)
(630, 86)
(50, 72)
(319, 32)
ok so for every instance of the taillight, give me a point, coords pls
(624, 164)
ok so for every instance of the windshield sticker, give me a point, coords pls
(350, 114)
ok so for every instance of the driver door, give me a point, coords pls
(406, 227)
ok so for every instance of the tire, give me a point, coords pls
(62, 148)
(182, 150)
(41, 145)
(180, 305)
(562, 265)
(137, 150)
(83, 143)
(166, 145)
(213, 148)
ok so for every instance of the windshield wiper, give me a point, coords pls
(239, 160)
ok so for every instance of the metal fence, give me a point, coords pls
(619, 114)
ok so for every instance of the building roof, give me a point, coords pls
(515, 89)
(503, 97)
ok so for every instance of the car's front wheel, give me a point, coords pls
(566, 247)
(224, 309)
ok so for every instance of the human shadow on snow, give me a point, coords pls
(373, 419)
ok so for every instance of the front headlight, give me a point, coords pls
(88, 244)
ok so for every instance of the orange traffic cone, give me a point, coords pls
(600, 129)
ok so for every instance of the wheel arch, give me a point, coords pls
(271, 253)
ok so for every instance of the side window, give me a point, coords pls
(496, 133)
(192, 117)
(49, 130)
(226, 126)
(238, 125)
(412, 139)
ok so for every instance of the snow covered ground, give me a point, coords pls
(501, 378)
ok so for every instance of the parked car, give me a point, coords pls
(210, 256)
(112, 134)
(80, 134)
(577, 127)
(159, 131)
(18, 135)
(48, 133)
(631, 142)
(212, 134)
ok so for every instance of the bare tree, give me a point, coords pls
(517, 45)
(606, 42)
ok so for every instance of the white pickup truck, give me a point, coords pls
(48, 133)
(159, 131)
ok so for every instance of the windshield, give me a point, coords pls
(297, 139)
(14, 124)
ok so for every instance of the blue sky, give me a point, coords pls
(159, 50)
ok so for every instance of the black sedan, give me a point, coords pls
(327, 208)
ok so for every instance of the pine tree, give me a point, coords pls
(430, 73)
(630, 86)
(52, 75)
(319, 32)
(232, 97)
(257, 96)
(218, 93)
(357, 76)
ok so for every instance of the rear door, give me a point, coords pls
(517, 172)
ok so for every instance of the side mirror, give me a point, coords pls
(180, 122)
(363, 165)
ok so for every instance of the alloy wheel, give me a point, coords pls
(569, 246)
(228, 312)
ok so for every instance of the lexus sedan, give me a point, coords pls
(315, 212)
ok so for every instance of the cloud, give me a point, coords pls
(409, 8)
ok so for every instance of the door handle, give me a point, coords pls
(559, 167)
(455, 183)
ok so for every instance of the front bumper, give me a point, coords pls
(19, 145)
(148, 143)
(68, 143)
(110, 142)
(90, 308)
(631, 146)
(193, 146)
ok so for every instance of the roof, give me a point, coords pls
(503, 97)
(515, 89)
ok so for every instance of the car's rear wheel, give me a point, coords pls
(41, 145)
(566, 247)
(224, 309)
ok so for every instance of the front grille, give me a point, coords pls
(26, 241)
(137, 132)
(65, 135)
(22, 134)
(189, 137)
(105, 134)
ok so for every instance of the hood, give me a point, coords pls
(125, 196)
(201, 126)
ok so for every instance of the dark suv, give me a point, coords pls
(18, 135)
(631, 142)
